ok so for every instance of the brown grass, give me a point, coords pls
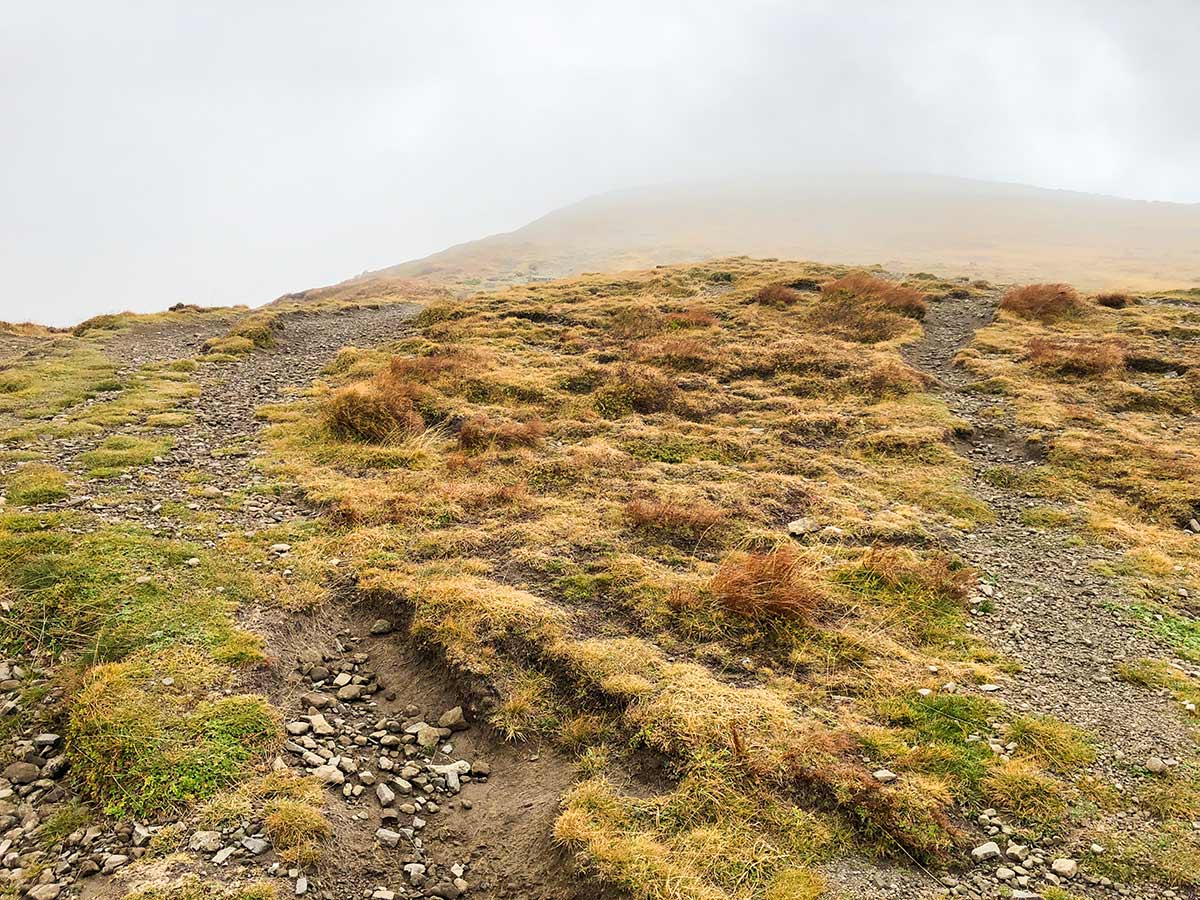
(674, 516)
(1042, 301)
(683, 354)
(890, 379)
(876, 292)
(1080, 357)
(637, 389)
(375, 411)
(691, 318)
(780, 296)
(776, 584)
(481, 431)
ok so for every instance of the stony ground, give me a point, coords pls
(474, 816)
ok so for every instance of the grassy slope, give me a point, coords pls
(578, 491)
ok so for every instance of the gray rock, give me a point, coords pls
(256, 846)
(205, 841)
(385, 795)
(990, 850)
(1154, 765)
(884, 776)
(381, 626)
(387, 837)
(22, 773)
(45, 892)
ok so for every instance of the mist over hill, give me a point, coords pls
(1004, 232)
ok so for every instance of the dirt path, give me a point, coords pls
(1051, 611)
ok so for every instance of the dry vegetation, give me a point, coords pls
(578, 492)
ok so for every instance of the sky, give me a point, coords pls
(228, 152)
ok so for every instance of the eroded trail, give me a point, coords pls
(1045, 603)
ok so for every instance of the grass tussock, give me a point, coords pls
(1077, 357)
(481, 432)
(1045, 302)
(691, 519)
(778, 583)
(1115, 300)
(862, 308)
(36, 483)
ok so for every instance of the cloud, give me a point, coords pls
(224, 152)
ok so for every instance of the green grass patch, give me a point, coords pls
(141, 745)
(35, 484)
(1158, 675)
(936, 728)
(1181, 633)
(192, 888)
(121, 451)
(79, 594)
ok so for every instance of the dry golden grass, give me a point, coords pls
(1079, 356)
(1046, 302)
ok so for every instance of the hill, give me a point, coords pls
(1003, 232)
(747, 580)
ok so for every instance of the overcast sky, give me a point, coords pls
(228, 152)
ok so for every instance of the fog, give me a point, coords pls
(227, 152)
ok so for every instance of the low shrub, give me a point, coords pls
(1045, 302)
(778, 583)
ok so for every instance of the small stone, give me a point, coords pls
(205, 841)
(22, 773)
(1155, 765)
(385, 795)
(990, 850)
(223, 855)
(381, 626)
(1064, 867)
(884, 776)
(44, 892)
(383, 894)
(301, 886)
(350, 692)
(329, 774)
(280, 548)
(802, 526)
(453, 719)
(1004, 873)
(256, 846)
(387, 837)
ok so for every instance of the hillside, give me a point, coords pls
(1002, 232)
(750, 579)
